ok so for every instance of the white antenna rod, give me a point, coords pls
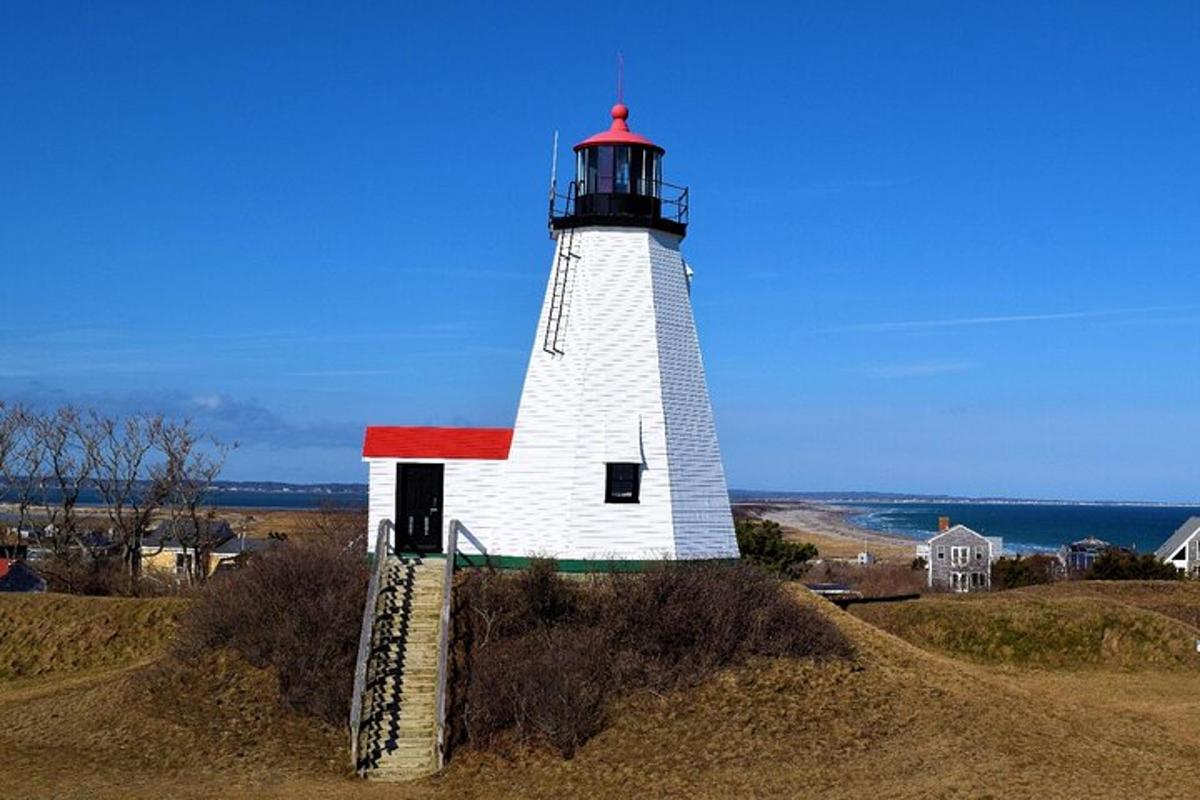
(554, 164)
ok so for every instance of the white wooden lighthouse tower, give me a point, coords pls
(614, 454)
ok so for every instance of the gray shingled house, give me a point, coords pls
(1183, 548)
(960, 559)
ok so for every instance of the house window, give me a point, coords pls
(622, 483)
(941, 551)
(183, 564)
(978, 553)
(960, 556)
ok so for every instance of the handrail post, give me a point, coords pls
(444, 640)
(365, 636)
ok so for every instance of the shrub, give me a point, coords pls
(761, 542)
(546, 684)
(102, 576)
(873, 580)
(1118, 565)
(1013, 573)
(297, 608)
(547, 653)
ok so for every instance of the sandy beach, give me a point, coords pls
(830, 529)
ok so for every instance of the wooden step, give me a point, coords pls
(400, 711)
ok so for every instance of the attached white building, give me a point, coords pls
(1183, 548)
(614, 454)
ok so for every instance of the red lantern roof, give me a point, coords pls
(618, 132)
(490, 444)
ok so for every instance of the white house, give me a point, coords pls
(614, 454)
(1183, 548)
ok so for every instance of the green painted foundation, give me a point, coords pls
(568, 565)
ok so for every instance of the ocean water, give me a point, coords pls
(290, 499)
(1032, 527)
(297, 497)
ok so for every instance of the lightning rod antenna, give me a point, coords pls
(554, 163)
(620, 77)
(553, 193)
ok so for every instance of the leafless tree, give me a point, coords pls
(10, 420)
(67, 470)
(192, 465)
(131, 489)
(24, 465)
(8, 425)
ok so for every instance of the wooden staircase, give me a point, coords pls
(397, 736)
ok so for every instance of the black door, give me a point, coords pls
(419, 508)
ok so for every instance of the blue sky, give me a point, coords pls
(938, 247)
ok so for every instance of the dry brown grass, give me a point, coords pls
(50, 635)
(294, 523)
(1049, 629)
(1178, 600)
(885, 726)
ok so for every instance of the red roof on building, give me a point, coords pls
(618, 132)
(384, 441)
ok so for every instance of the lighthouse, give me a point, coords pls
(614, 453)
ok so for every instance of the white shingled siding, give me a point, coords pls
(629, 385)
(471, 491)
(699, 497)
(606, 381)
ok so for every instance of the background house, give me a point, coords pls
(20, 577)
(1183, 548)
(172, 547)
(1079, 556)
(960, 559)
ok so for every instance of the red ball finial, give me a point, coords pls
(620, 113)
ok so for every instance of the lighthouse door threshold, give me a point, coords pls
(419, 508)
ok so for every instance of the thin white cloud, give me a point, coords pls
(925, 324)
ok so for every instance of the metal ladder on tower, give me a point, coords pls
(560, 293)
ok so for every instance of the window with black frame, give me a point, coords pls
(622, 483)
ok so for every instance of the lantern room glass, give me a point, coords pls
(619, 169)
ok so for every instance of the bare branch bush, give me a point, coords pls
(140, 467)
(9, 423)
(130, 490)
(192, 464)
(24, 466)
(67, 470)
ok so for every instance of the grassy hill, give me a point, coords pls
(907, 719)
(1065, 626)
(58, 635)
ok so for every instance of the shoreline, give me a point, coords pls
(830, 528)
